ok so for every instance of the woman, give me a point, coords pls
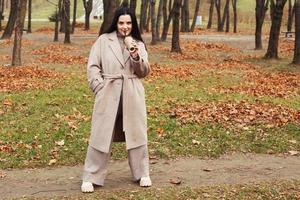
(119, 112)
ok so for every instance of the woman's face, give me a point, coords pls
(124, 25)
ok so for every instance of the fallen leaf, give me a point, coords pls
(52, 161)
(60, 143)
(293, 153)
(2, 174)
(293, 141)
(7, 102)
(175, 181)
(195, 142)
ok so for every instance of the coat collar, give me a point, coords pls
(116, 48)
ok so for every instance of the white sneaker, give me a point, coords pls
(145, 182)
(87, 187)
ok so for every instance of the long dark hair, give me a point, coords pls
(125, 10)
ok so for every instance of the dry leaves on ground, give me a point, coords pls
(8, 42)
(240, 114)
(5, 58)
(198, 50)
(57, 53)
(47, 30)
(27, 77)
(257, 83)
(286, 46)
(168, 71)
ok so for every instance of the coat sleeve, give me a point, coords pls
(94, 68)
(141, 66)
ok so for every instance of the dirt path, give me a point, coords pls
(233, 169)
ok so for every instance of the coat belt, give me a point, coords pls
(126, 100)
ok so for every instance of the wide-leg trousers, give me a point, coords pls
(96, 162)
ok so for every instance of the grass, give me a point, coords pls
(38, 119)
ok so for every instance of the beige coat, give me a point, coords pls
(110, 75)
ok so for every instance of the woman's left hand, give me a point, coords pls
(134, 54)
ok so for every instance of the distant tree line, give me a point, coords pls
(157, 19)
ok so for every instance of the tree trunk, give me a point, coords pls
(182, 18)
(147, 27)
(8, 31)
(185, 15)
(170, 5)
(158, 19)
(195, 15)
(133, 5)
(260, 13)
(56, 25)
(296, 59)
(1, 13)
(225, 12)
(153, 22)
(143, 15)
(74, 16)
(66, 8)
(110, 7)
(218, 8)
(29, 16)
(227, 19)
(272, 51)
(61, 17)
(234, 16)
(290, 13)
(166, 26)
(21, 13)
(211, 10)
(165, 14)
(88, 7)
(175, 35)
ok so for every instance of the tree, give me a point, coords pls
(74, 16)
(153, 22)
(296, 59)
(225, 16)
(234, 16)
(29, 16)
(88, 7)
(218, 8)
(110, 7)
(185, 24)
(291, 13)
(197, 6)
(133, 5)
(175, 35)
(8, 31)
(166, 25)
(61, 16)
(143, 15)
(260, 13)
(56, 24)
(211, 10)
(158, 19)
(1, 13)
(277, 12)
(147, 27)
(66, 11)
(20, 18)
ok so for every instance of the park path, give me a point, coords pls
(230, 169)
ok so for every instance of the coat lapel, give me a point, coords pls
(126, 55)
(116, 48)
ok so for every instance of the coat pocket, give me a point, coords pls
(96, 86)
